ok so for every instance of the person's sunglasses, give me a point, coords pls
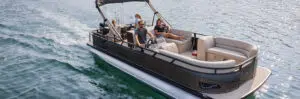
(141, 25)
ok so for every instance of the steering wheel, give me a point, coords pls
(150, 42)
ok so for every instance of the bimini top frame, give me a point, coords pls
(100, 3)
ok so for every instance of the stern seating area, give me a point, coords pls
(212, 52)
(220, 49)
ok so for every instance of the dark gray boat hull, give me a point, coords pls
(186, 79)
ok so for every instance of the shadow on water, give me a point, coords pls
(133, 87)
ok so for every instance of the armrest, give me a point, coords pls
(253, 51)
(203, 44)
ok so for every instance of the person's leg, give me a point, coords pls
(173, 36)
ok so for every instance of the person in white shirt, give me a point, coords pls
(114, 22)
(137, 19)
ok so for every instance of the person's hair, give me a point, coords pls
(113, 21)
(138, 16)
(158, 20)
(141, 21)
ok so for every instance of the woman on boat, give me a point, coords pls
(114, 22)
(141, 34)
(137, 19)
(161, 29)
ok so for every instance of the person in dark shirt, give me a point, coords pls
(161, 30)
(141, 34)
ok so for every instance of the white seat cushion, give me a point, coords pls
(227, 53)
(172, 47)
(249, 49)
(183, 45)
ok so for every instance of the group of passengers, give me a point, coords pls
(160, 30)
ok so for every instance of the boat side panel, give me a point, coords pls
(166, 70)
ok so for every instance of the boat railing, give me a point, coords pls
(239, 66)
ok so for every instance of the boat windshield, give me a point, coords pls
(124, 13)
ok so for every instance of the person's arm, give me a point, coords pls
(137, 40)
(135, 25)
(151, 35)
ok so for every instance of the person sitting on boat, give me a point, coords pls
(114, 22)
(137, 19)
(141, 34)
(115, 25)
(161, 30)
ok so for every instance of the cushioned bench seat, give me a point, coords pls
(183, 45)
(197, 64)
(227, 53)
(220, 48)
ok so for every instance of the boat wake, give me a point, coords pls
(74, 31)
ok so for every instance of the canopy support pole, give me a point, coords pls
(109, 24)
(156, 12)
(154, 17)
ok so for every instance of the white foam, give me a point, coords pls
(79, 30)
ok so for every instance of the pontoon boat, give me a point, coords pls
(202, 65)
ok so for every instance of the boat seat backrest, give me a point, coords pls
(186, 34)
(131, 38)
(172, 47)
(236, 45)
(199, 63)
(183, 45)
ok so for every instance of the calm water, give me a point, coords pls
(43, 52)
